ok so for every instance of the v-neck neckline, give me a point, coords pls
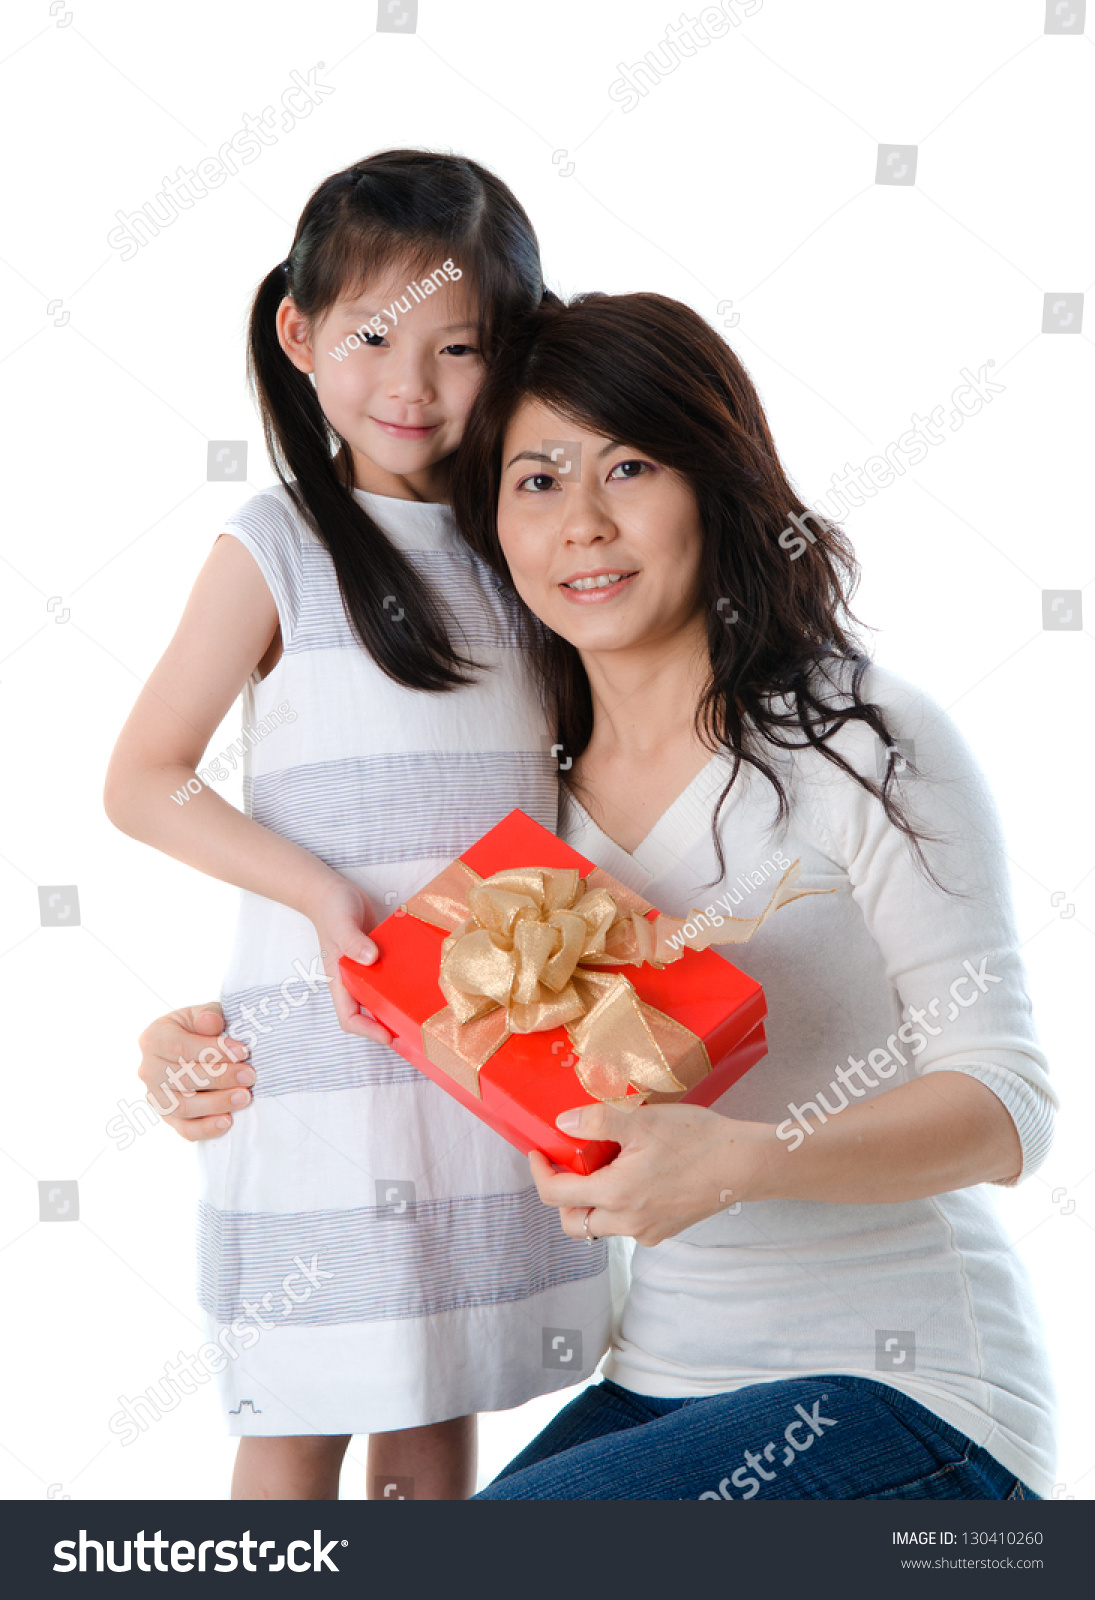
(678, 827)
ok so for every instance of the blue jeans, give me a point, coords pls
(829, 1438)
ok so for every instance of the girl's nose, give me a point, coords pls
(410, 384)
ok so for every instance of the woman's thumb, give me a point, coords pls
(598, 1121)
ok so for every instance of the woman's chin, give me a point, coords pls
(597, 631)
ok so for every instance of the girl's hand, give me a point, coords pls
(677, 1165)
(340, 914)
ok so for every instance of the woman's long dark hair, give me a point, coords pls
(650, 373)
(399, 208)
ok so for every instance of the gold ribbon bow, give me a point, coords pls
(527, 951)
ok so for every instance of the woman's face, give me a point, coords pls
(602, 542)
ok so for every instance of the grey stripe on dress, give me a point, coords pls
(483, 618)
(436, 1256)
(298, 1045)
(342, 810)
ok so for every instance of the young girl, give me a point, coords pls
(372, 1258)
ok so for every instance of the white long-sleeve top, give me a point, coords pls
(894, 974)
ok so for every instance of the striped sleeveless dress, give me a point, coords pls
(371, 1256)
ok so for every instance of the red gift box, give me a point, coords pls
(531, 1077)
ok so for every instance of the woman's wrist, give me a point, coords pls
(746, 1163)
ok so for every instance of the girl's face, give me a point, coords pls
(401, 397)
(604, 546)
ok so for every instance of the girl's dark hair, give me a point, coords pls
(398, 208)
(650, 373)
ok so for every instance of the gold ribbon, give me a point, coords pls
(527, 951)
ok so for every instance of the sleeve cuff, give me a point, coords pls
(1032, 1109)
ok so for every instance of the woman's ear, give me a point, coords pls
(295, 335)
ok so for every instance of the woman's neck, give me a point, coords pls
(644, 750)
(645, 699)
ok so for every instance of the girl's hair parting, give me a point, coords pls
(398, 208)
(649, 372)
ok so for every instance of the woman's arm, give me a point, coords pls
(227, 627)
(680, 1164)
(941, 1132)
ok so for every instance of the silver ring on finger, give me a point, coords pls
(591, 1238)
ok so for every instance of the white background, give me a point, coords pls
(748, 174)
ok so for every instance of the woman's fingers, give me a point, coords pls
(189, 1072)
(193, 1036)
(562, 1188)
(204, 1116)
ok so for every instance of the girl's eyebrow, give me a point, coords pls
(364, 314)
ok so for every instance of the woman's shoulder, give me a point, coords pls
(922, 736)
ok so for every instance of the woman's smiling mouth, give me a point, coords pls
(591, 588)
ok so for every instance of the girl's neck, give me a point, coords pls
(431, 485)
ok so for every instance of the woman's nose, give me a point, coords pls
(585, 521)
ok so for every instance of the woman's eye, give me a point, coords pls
(621, 466)
(541, 480)
(373, 339)
(460, 350)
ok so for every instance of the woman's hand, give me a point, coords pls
(340, 914)
(194, 1076)
(676, 1166)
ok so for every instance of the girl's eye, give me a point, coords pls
(640, 466)
(542, 480)
(460, 350)
(373, 339)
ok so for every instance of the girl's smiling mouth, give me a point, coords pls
(399, 430)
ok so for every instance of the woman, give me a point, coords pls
(823, 1303)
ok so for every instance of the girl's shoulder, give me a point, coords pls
(270, 526)
(410, 524)
(271, 513)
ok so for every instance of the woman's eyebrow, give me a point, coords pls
(537, 455)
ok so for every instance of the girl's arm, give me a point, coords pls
(228, 626)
